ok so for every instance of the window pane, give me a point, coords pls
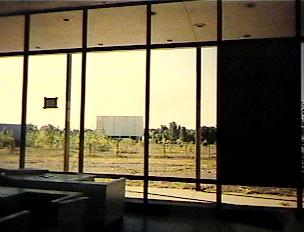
(191, 21)
(45, 135)
(115, 104)
(208, 112)
(117, 26)
(10, 100)
(172, 112)
(12, 33)
(258, 19)
(75, 111)
(56, 30)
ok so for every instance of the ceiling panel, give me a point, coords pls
(258, 19)
(203, 17)
(170, 23)
(56, 30)
(189, 21)
(117, 26)
(12, 33)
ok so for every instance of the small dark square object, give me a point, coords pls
(50, 102)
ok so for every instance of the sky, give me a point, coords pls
(115, 87)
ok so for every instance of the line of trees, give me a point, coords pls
(175, 133)
(51, 137)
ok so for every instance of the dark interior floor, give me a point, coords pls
(178, 218)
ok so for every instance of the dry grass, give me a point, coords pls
(176, 162)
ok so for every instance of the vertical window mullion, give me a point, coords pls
(198, 117)
(147, 105)
(218, 155)
(24, 89)
(83, 89)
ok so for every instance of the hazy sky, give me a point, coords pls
(115, 87)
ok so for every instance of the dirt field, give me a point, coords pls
(176, 162)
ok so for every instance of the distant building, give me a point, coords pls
(121, 126)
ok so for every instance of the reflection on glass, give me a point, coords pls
(10, 101)
(259, 196)
(258, 19)
(208, 112)
(56, 30)
(172, 110)
(190, 21)
(134, 189)
(12, 33)
(117, 26)
(178, 191)
(115, 103)
(45, 130)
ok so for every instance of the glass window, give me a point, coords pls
(115, 104)
(45, 134)
(56, 30)
(258, 19)
(190, 21)
(117, 26)
(173, 112)
(11, 103)
(75, 111)
(12, 33)
(208, 112)
(46, 126)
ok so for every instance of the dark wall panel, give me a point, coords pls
(259, 112)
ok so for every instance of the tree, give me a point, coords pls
(96, 140)
(163, 128)
(50, 136)
(208, 135)
(183, 135)
(7, 138)
(173, 132)
(191, 135)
